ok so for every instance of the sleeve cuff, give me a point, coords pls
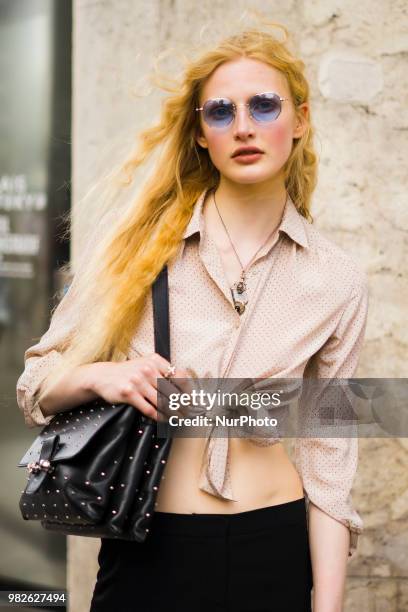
(33, 415)
(28, 388)
(354, 535)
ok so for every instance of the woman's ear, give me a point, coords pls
(301, 121)
(200, 139)
(202, 142)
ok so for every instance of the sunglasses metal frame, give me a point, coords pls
(248, 104)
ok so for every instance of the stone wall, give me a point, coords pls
(356, 56)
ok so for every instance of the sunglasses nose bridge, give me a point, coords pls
(244, 116)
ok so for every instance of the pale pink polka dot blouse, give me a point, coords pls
(306, 316)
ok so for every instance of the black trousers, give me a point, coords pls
(254, 561)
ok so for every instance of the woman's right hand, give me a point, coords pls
(133, 381)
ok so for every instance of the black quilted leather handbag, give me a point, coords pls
(95, 470)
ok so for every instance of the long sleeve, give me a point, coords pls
(327, 466)
(40, 358)
(44, 355)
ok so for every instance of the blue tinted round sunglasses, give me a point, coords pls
(263, 107)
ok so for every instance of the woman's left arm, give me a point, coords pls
(328, 465)
(329, 549)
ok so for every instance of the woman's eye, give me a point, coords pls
(265, 106)
(220, 112)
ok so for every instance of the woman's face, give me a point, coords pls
(239, 80)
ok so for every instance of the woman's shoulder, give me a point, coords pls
(339, 265)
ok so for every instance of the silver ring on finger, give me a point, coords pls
(171, 370)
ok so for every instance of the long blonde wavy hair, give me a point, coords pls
(110, 290)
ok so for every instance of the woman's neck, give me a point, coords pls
(250, 212)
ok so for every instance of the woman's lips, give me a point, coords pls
(247, 158)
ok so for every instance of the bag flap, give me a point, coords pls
(76, 428)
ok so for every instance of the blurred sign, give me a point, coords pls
(15, 196)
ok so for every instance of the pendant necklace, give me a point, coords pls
(239, 288)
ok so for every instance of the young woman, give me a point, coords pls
(255, 291)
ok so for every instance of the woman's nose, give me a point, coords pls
(243, 124)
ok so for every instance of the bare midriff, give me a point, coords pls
(261, 476)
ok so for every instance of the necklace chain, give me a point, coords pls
(240, 286)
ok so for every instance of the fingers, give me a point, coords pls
(159, 362)
(162, 365)
(139, 393)
(155, 366)
(142, 388)
(144, 406)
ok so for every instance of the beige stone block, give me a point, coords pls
(402, 595)
(380, 496)
(371, 595)
(396, 550)
(399, 506)
(349, 76)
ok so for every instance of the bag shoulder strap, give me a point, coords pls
(160, 291)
